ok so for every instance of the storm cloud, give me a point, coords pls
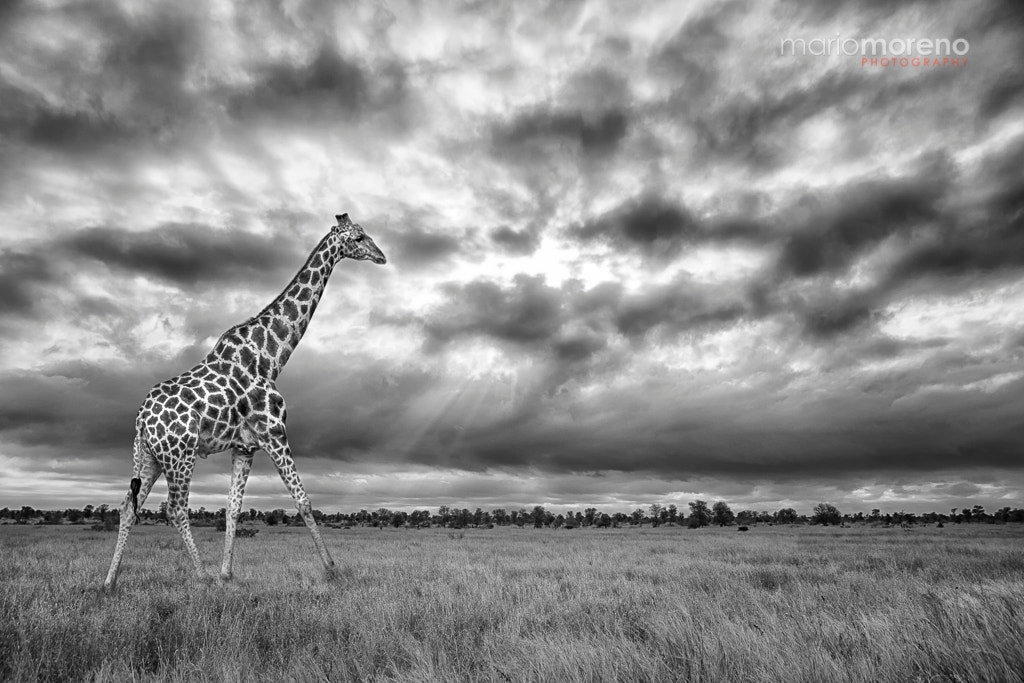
(635, 253)
(186, 255)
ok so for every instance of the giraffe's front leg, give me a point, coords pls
(241, 464)
(268, 423)
(281, 454)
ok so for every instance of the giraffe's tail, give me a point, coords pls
(136, 482)
(135, 486)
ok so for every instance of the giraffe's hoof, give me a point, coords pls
(226, 577)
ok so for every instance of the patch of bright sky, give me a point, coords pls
(71, 337)
(969, 316)
(55, 342)
(719, 352)
(717, 264)
(1002, 137)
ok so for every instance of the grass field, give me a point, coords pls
(667, 604)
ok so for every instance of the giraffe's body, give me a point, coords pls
(229, 401)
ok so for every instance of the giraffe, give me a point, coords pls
(229, 401)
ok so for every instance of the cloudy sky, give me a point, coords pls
(636, 253)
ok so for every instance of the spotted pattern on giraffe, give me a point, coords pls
(229, 402)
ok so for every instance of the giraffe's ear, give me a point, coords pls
(342, 219)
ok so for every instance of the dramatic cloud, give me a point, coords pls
(636, 253)
(658, 227)
(187, 255)
(19, 273)
(529, 312)
(525, 135)
(831, 237)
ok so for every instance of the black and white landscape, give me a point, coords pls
(637, 254)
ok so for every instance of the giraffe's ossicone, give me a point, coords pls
(229, 401)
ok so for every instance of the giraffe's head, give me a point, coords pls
(356, 244)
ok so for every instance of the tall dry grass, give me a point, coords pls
(669, 604)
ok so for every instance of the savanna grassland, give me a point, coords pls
(670, 604)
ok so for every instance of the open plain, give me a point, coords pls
(783, 603)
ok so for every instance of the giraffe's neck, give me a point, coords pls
(266, 341)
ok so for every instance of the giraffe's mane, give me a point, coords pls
(267, 308)
(305, 265)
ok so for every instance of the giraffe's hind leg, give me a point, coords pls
(178, 480)
(150, 472)
(241, 463)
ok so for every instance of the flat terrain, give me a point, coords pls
(668, 604)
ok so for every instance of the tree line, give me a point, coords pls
(699, 514)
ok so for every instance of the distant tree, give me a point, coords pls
(538, 516)
(638, 517)
(746, 517)
(655, 514)
(275, 517)
(700, 514)
(786, 516)
(904, 518)
(673, 514)
(825, 513)
(589, 515)
(978, 513)
(53, 517)
(721, 514)
(604, 520)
